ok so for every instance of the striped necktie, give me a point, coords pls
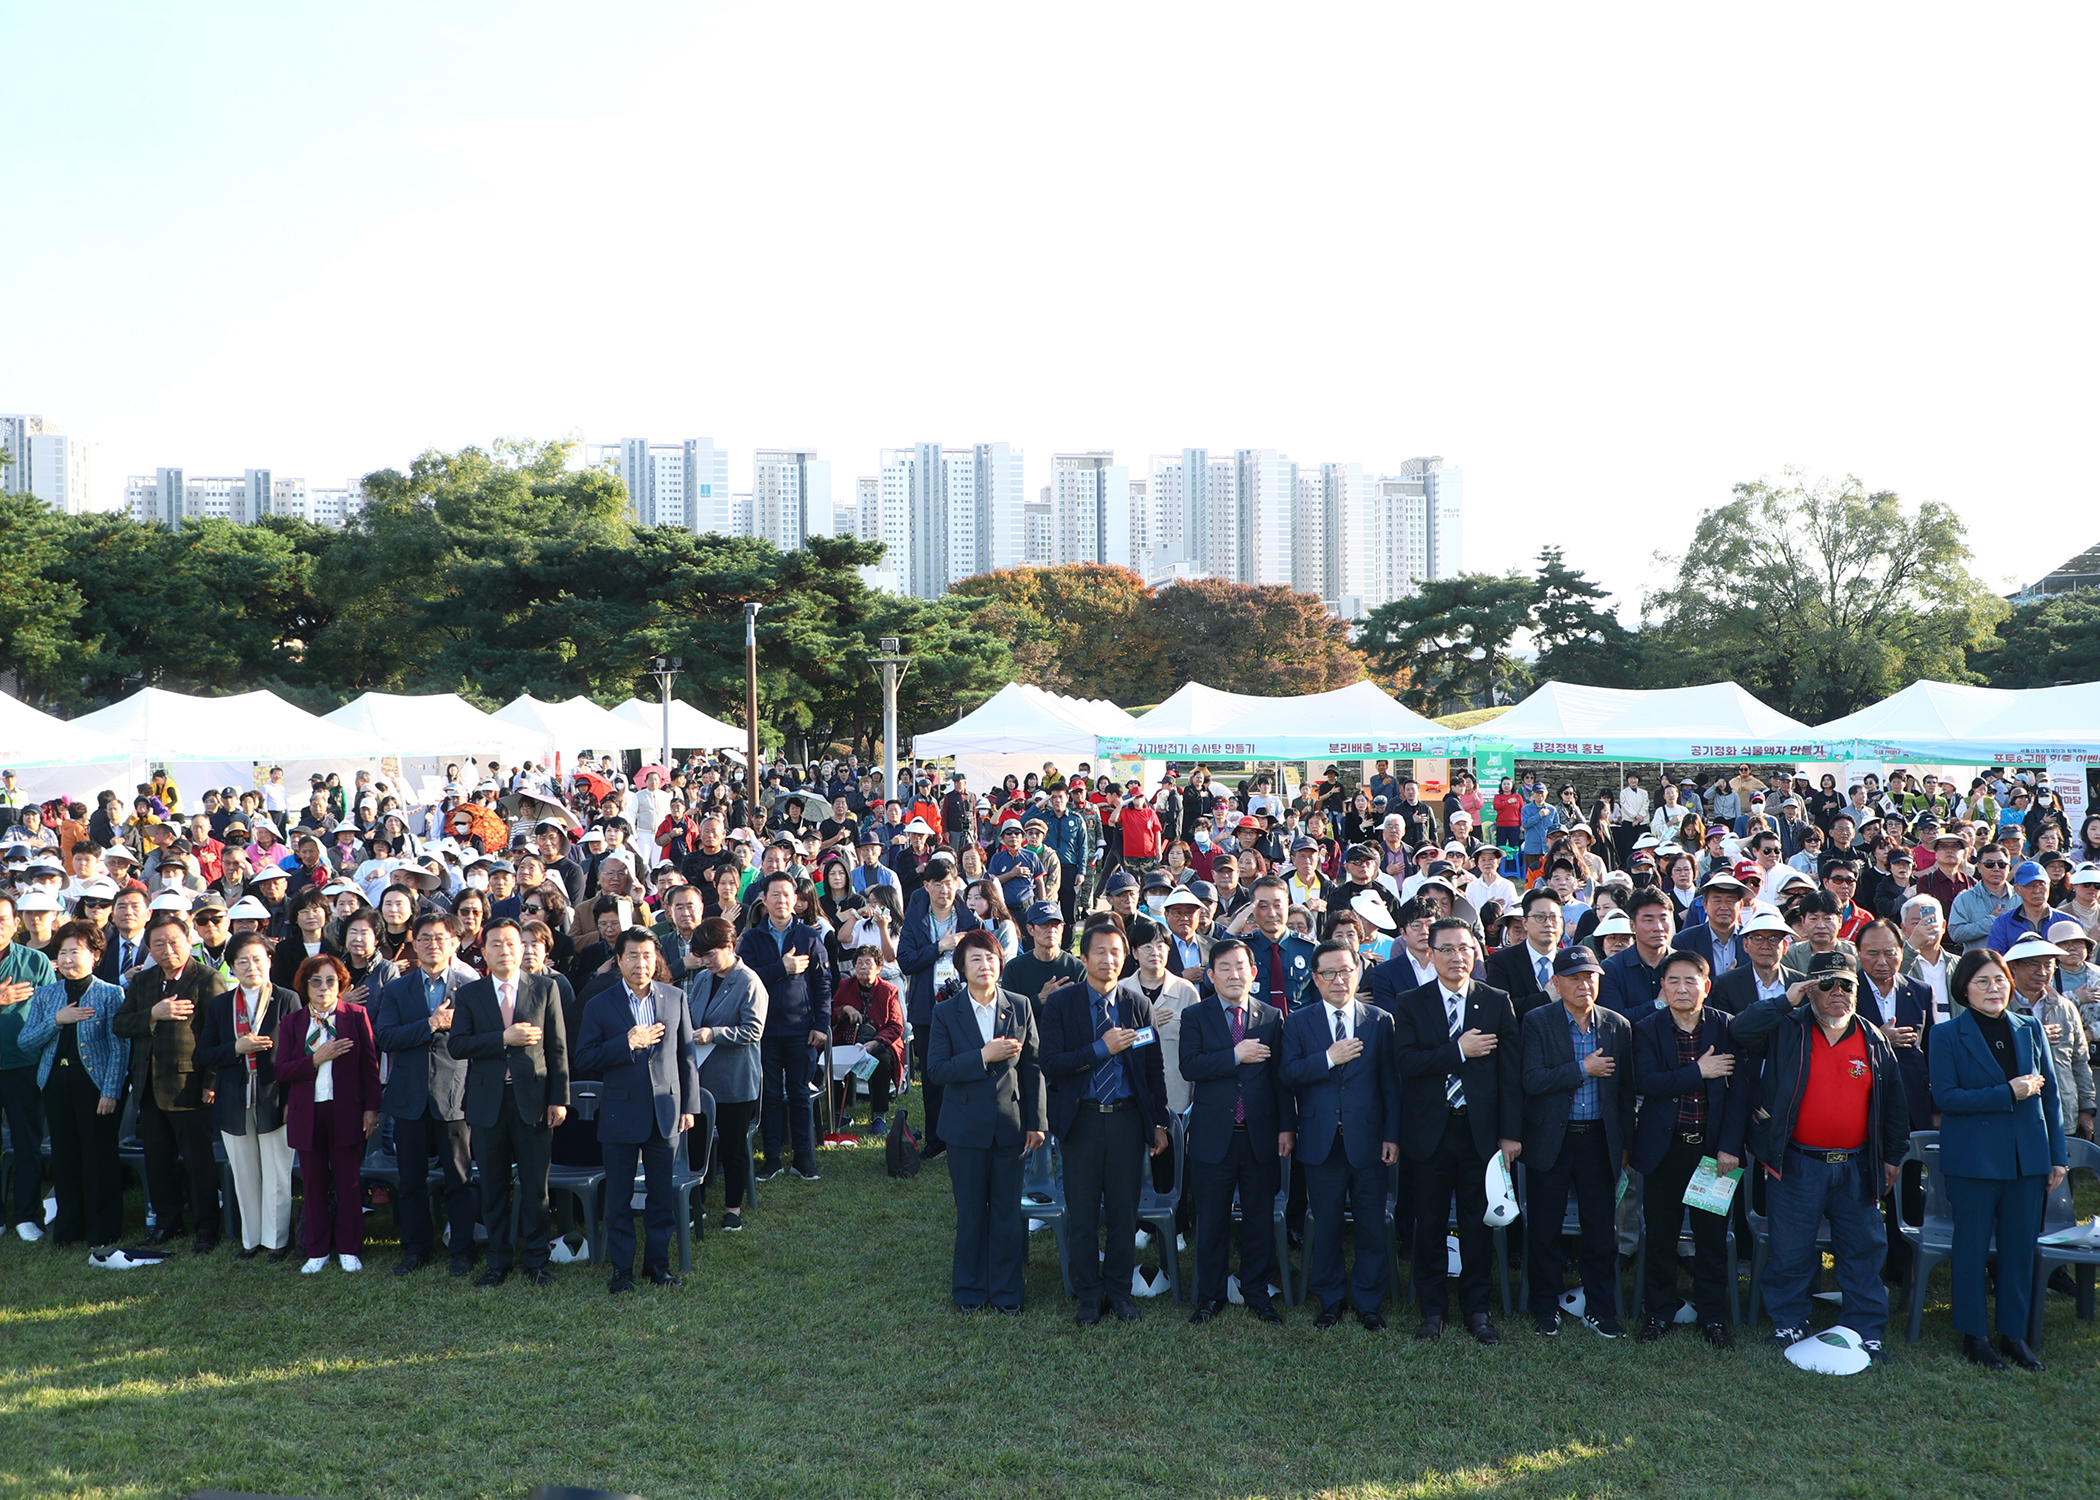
(1454, 1091)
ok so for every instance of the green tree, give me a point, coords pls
(1449, 642)
(39, 607)
(1576, 640)
(1086, 629)
(1266, 640)
(1821, 598)
(2051, 640)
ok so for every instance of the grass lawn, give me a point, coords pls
(817, 1354)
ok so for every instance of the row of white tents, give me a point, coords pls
(1718, 723)
(1023, 726)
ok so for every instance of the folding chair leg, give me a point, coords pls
(1283, 1263)
(1757, 1280)
(1920, 1273)
(2085, 1294)
(1509, 1308)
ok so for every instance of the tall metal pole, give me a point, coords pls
(892, 661)
(664, 669)
(751, 779)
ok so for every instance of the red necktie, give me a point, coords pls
(1239, 1034)
(1277, 996)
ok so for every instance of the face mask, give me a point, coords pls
(477, 881)
(1202, 839)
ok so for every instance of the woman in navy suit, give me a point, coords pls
(2001, 1149)
(727, 1003)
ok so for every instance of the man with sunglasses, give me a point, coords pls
(1821, 1101)
(1970, 915)
(1841, 880)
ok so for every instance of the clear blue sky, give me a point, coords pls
(1609, 260)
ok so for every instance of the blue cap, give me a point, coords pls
(2028, 870)
(1121, 881)
(1043, 914)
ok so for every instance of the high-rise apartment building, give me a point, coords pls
(945, 514)
(1091, 508)
(40, 460)
(684, 484)
(790, 496)
(172, 497)
(1266, 493)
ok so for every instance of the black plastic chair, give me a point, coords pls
(2058, 1213)
(582, 1183)
(1156, 1209)
(687, 1179)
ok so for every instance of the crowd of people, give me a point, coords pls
(1348, 1000)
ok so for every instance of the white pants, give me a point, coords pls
(262, 1184)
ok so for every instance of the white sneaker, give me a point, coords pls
(29, 1232)
(350, 1263)
(313, 1267)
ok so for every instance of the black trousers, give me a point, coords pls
(1068, 894)
(880, 1083)
(1454, 1168)
(24, 1107)
(512, 1142)
(1663, 1214)
(1330, 1186)
(656, 1157)
(181, 1171)
(1104, 1155)
(786, 1070)
(85, 1171)
(1586, 1169)
(1211, 1187)
(451, 1141)
(929, 1091)
(732, 1163)
(991, 1233)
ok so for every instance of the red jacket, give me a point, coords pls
(355, 1075)
(881, 1007)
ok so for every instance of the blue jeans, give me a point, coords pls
(1812, 1190)
(786, 1068)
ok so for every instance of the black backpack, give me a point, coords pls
(901, 1148)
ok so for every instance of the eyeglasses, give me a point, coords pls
(1451, 948)
(1334, 973)
(1841, 880)
(1990, 864)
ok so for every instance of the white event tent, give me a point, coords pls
(572, 725)
(1020, 727)
(432, 724)
(690, 728)
(1956, 724)
(30, 737)
(1716, 722)
(1358, 721)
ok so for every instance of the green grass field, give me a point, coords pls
(818, 1354)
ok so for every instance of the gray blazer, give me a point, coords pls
(734, 1004)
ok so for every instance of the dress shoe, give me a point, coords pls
(204, 1244)
(1980, 1352)
(539, 1276)
(2017, 1351)
(1205, 1311)
(658, 1276)
(462, 1267)
(247, 1252)
(1483, 1331)
(935, 1154)
(1372, 1321)
(410, 1264)
(1329, 1316)
(280, 1255)
(1264, 1308)
(1123, 1309)
(621, 1282)
(1652, 1330)
(1088, 1315)
(492, 1277)
(1431, 1328)
(1717, 1335)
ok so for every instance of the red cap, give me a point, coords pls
(1749, 869)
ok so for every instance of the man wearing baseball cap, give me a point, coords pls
(2030, 882)
(1721, 896)
(1820, 1103)
(1045, 966)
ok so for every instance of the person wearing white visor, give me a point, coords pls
(2033, 963)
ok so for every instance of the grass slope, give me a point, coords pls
(817, 1354)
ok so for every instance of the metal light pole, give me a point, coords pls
(751, 782)
(663, 669)
(893, 663)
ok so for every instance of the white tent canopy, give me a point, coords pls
(432, 724)
(1714, 722)
(1021, 727)
(158, 725)
(690, 728)
(576, 724)
(1957, 724)
(31, 737)
(1353, 722)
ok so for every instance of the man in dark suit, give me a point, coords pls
(1683, 1066)
(637, 1036)
(788, 957)
(124, 949)
(984, 1052)
(508, 1030)
(1338, 1057)
(163, 1015)
(1718, 939)
(1462, 1101)
(1242, 1123)
(1578, 1121)
(1524, 971)
(426, 1089)
(1108, 1110)
(1411, 965)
